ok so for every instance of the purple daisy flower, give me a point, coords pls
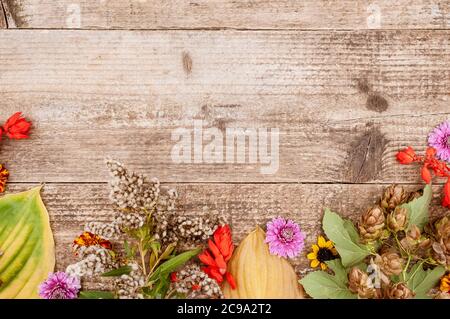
(440, 139)
(60, 285)
(284, 237)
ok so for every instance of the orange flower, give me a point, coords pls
(173, 277)
(87, 239)
(426, 174)
(445, 283)
(16, 127)
(446, 199)
(406, 156)
(219, 253)
(4, 175)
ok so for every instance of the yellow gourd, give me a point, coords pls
(260, 275)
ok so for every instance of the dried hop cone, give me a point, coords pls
(399, 291)
(358, 283)
(439, 255)
(414, 195)
(371, 224)
(414, 241)
(393, 196)
(441, 246)
(390, 263)
(398, 219)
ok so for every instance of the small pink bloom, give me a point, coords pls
(60, 285)
(439, 138)
(284, 237)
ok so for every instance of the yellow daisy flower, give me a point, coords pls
(445, 283)
(321, 252)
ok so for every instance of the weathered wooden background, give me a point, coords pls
(347, 82)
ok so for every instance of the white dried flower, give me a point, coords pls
(105, 230)
(193, 283)
(128, 286)
(95, 260)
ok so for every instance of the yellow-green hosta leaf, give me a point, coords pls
(26, 241)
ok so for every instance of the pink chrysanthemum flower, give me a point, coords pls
(284, 237)
(440, 139)
(60, 285)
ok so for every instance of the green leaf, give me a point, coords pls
(418, 208)
(322, 285)
(169, 250)
(160, 289)
(174, 263)
(96, 295)
(351, 230)
(345, 238)
(421, 281)
(129, 250)
(340, 274)
(125, 270)
(155, 247)
(26, 241)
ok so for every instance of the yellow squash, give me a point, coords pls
(26, 245)
(260, 275)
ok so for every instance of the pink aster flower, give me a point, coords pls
(60, 285)
(440, 139)
(284, 237)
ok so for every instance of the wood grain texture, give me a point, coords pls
(222, 14)
(344, 102)
(3, 22)
(72, 206)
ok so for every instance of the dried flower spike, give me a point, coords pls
(217, 256)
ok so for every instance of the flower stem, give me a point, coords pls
(406, 267)
(141, 252)
(401, 246)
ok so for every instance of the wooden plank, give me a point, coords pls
(243, 14)
(71, 206)
(344, 102)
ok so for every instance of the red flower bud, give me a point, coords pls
(406, 156)
(173, 277)
(231, 280)
(426, 174)
(16, 127)
(446, 199)
(431, 152)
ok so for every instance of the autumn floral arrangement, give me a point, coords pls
(151, 250)
(395, 250)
